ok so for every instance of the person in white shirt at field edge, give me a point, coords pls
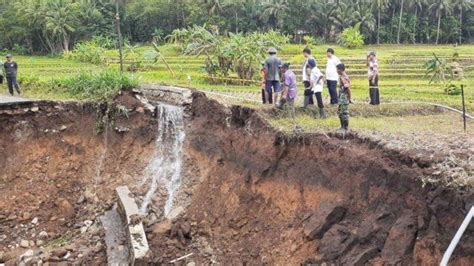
(317, 81)
(331, 75)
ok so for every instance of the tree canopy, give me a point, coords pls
(54, 26)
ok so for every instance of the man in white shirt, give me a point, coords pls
(308, 65)
(331, 75)
(317, 81)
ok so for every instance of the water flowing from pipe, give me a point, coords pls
(164, 169)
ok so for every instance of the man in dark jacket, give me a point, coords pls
(11, 71)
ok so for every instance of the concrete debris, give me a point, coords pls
(137, 241)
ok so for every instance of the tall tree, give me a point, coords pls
(462, 5)
(418, 6)
(380, 6)
(400, 21)
(441, 7)
(273, 11)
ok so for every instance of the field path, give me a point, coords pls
(7, 99)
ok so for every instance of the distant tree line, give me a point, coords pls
(53, 26)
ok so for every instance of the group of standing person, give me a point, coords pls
(9, 71)
(279, 81)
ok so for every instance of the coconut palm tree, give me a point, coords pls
(418, 5)
(214, 7)
(380, 6)
(363, 15)
(441, 7)
(273, 11)
(60, 20)
(400, 21)
(462, 5)
(343, 16)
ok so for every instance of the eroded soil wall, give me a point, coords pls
(262, 193)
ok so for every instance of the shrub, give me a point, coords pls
(310, 41)
(95, 86)
(351, 37)
(452, 89)
(89, 52)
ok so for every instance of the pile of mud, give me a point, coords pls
(250, 194)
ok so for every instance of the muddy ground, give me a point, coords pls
(252, 195)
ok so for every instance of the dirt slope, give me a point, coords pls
(265, 197)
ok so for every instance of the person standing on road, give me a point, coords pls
(344, 97)
(273, 74)
(308, 65)
(11, 71)
(317, 81)
(373, 78)
(331, 74)
(289, 89)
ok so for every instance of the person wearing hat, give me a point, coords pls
(289, 88)
(373, 74)
(331, 74)
(11, 71)
(266, 95)
(272, 83)
(344, 96)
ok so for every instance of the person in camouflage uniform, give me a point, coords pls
(344, 96)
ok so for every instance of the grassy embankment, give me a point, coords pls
(402, 76)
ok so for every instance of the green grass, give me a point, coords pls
(402, 71)
(445, 123)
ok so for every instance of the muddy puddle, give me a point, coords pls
(215, 184)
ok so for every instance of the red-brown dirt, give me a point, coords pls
(260, 190)
(251, 195)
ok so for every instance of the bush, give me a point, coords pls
(89, 52)
(95, 86)
(351, 37)
(310, 41)
(452, 89)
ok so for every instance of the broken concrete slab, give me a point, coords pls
(136, 236)
(115, 237)
(323, 219)
(170, 94)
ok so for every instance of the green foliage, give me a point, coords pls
(89, 52)
(438, 70)
(351, 37)
(239, 52)
(310, 41)
(95, 86)
(452, 89)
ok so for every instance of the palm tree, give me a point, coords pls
(363, 15)
(441, 7)
(273, 11)
(400, 21)
(213, 6)
(462, 5)
(60, 20)
(418, 5)
(343, 16)
(379, 5)
(324, 11)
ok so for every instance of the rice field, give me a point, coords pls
(402, 71)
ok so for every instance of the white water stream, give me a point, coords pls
(164, 170)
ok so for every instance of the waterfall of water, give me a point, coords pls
(164, 169)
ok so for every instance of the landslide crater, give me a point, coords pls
(249, 193)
